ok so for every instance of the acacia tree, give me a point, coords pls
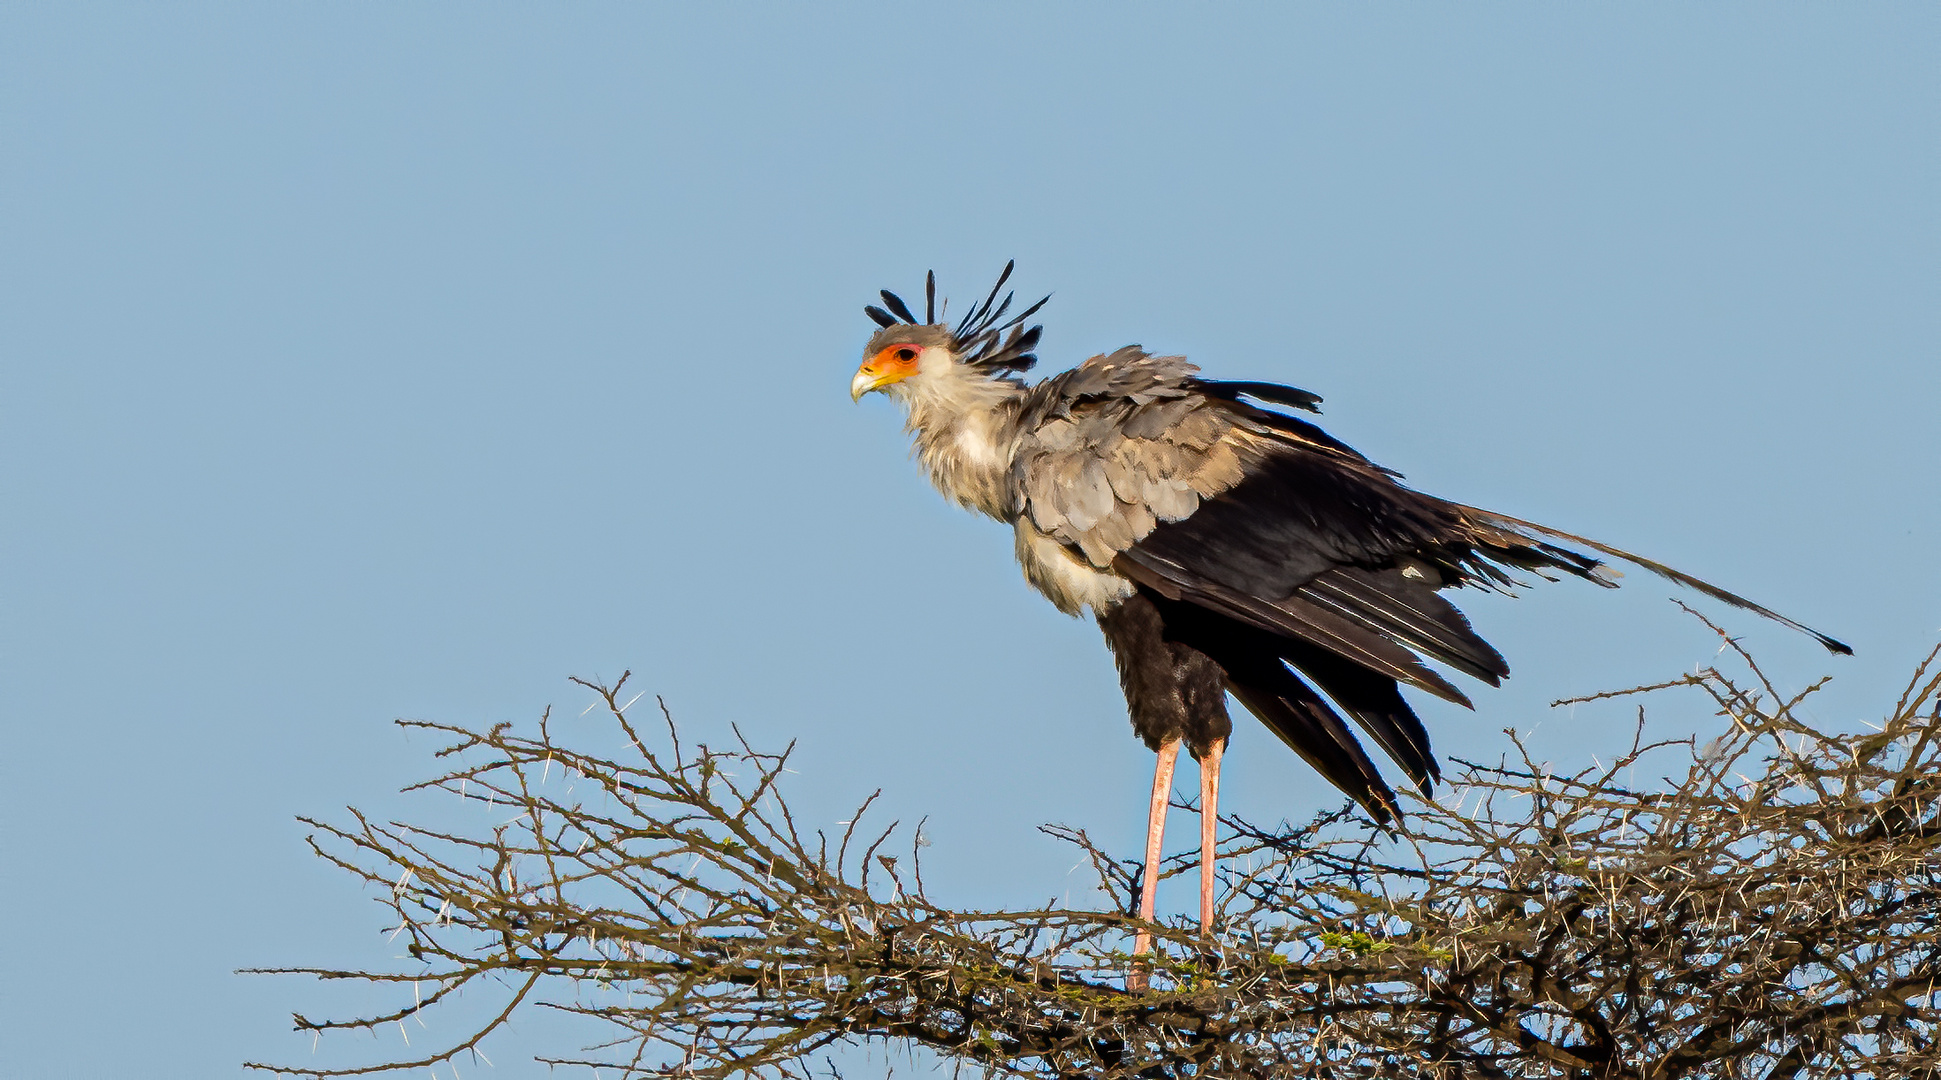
(1770, 909)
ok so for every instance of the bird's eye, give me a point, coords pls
(906, 354)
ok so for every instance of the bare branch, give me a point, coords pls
(1770, 908)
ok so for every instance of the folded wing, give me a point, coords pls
(1282, 553)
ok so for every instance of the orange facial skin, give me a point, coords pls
(893, 364)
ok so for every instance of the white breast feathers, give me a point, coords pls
(1066, 579)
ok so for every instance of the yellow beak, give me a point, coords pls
(870, 377)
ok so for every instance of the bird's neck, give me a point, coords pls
(965, 426)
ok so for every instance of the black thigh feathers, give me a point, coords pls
(1283, 683)
(1173, 690)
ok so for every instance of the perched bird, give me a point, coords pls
(1223, 546)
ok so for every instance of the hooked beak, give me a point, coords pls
(893, 364)
(867, 378)
(878, 372)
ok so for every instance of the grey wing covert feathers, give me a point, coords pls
(1117, 445)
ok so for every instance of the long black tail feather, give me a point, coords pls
(1504, 521)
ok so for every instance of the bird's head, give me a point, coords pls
(905, 354)
(900, 352)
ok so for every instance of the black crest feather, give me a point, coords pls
(898, 307)
(984, 338)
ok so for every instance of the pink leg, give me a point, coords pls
(1209, 818)
(1162, 794)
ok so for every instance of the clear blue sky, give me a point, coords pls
(365, 361)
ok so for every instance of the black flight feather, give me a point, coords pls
(1274, 392)
(1292, 710)
(1293, 617)
(930, 298)
(1409, 612)
(1377, 705)
(878, 316)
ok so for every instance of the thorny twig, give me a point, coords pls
(1772, 909)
